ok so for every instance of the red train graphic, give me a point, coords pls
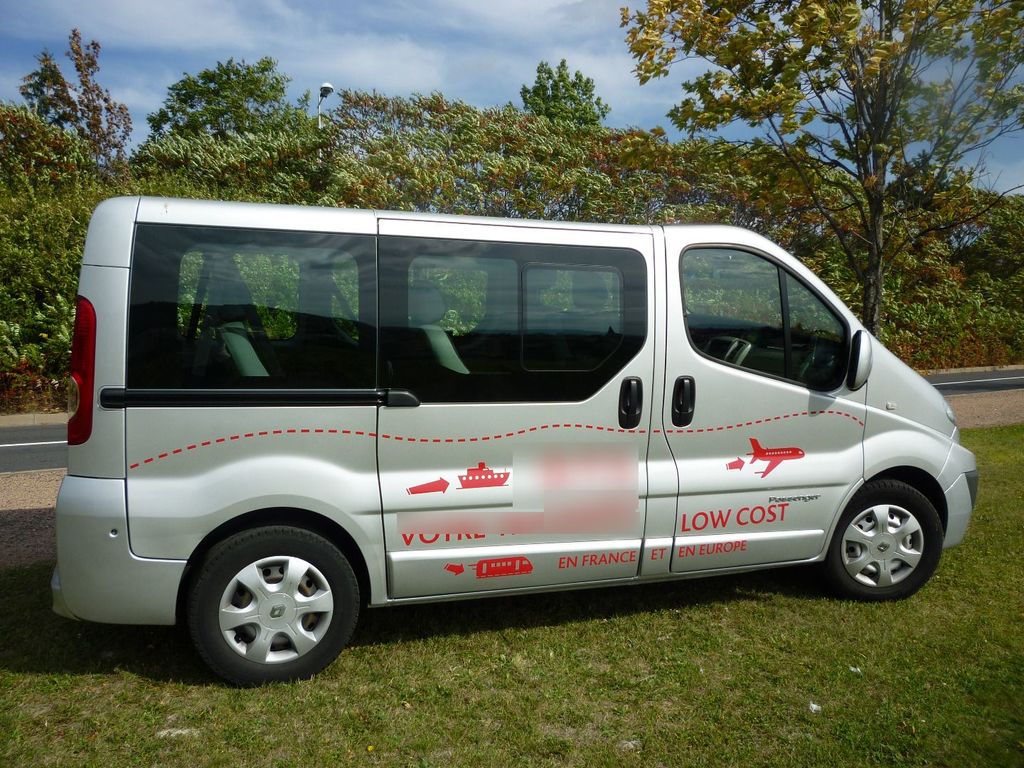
(495, 566)
(503, 566)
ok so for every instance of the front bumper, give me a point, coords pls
(960, 499)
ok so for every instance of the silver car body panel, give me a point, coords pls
(100, 579)
(757, 479)
(426, 534)
(734, 508)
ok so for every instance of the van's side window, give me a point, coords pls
(573, 317)
(222, 308)
(272, 280)
(746, 311)
(470, 321)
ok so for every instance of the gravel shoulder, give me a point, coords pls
(27, 498)
(26, 517)
(988, 409)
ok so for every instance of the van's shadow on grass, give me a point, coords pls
(35, 640)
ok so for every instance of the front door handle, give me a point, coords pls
(684, 400)
(631, 402)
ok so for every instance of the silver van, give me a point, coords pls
(281, 415)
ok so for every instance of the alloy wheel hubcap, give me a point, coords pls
(276, 609)
(882, 546)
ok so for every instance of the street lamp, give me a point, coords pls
(325, 90)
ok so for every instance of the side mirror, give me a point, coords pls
(860, 361)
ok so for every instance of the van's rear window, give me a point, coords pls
(476, 321)
(216, 307)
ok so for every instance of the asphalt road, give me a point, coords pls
(43, 447)
(970, 383)
(30, 448)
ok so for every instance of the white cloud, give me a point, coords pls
(394, 65)
(184, 25)
(524, 21)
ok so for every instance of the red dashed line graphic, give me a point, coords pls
(769, 420)
(541, 427)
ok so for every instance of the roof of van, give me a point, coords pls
(113, 222)
(180, 210)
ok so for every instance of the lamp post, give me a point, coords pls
(325, 90)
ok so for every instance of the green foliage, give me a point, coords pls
(955, 294)
(429, 153)
(48, 188)
(232, 98)
(271, 166)
(558, 96)
(38, 155)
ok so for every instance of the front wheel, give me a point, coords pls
(887, 543)
(272, 604)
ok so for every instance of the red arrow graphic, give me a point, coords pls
(738, 464)
(456, 568)
(434, 486)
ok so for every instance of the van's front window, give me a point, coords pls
(743, 310)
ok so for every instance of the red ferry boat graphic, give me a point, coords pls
(482, 476)
(503, 566)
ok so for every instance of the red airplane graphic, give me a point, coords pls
(774, 456)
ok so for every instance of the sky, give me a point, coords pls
(479, 51)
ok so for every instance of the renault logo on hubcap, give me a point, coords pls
(277, 612)
(882, 546)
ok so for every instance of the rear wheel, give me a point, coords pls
(887, 543)
(272, 604)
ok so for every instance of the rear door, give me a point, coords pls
(766, 436)
(516, 459)
(250, 371)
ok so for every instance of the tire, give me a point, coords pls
(891, 560)
(252, 605)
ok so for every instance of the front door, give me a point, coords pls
(765, 434)
(516, 458)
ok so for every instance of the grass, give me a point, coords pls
(713, 672)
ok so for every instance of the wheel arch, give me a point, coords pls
(287, 516)
(921, 481)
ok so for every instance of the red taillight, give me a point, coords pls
(83, 373)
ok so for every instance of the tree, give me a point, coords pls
(86, 107)
(233, 97)
(557, 96)
(48, 93)
(876, 105)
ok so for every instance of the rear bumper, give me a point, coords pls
(59, 606)
(98, 578)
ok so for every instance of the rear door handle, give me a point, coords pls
(631, 402)
(399, 398)
(684, 399)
